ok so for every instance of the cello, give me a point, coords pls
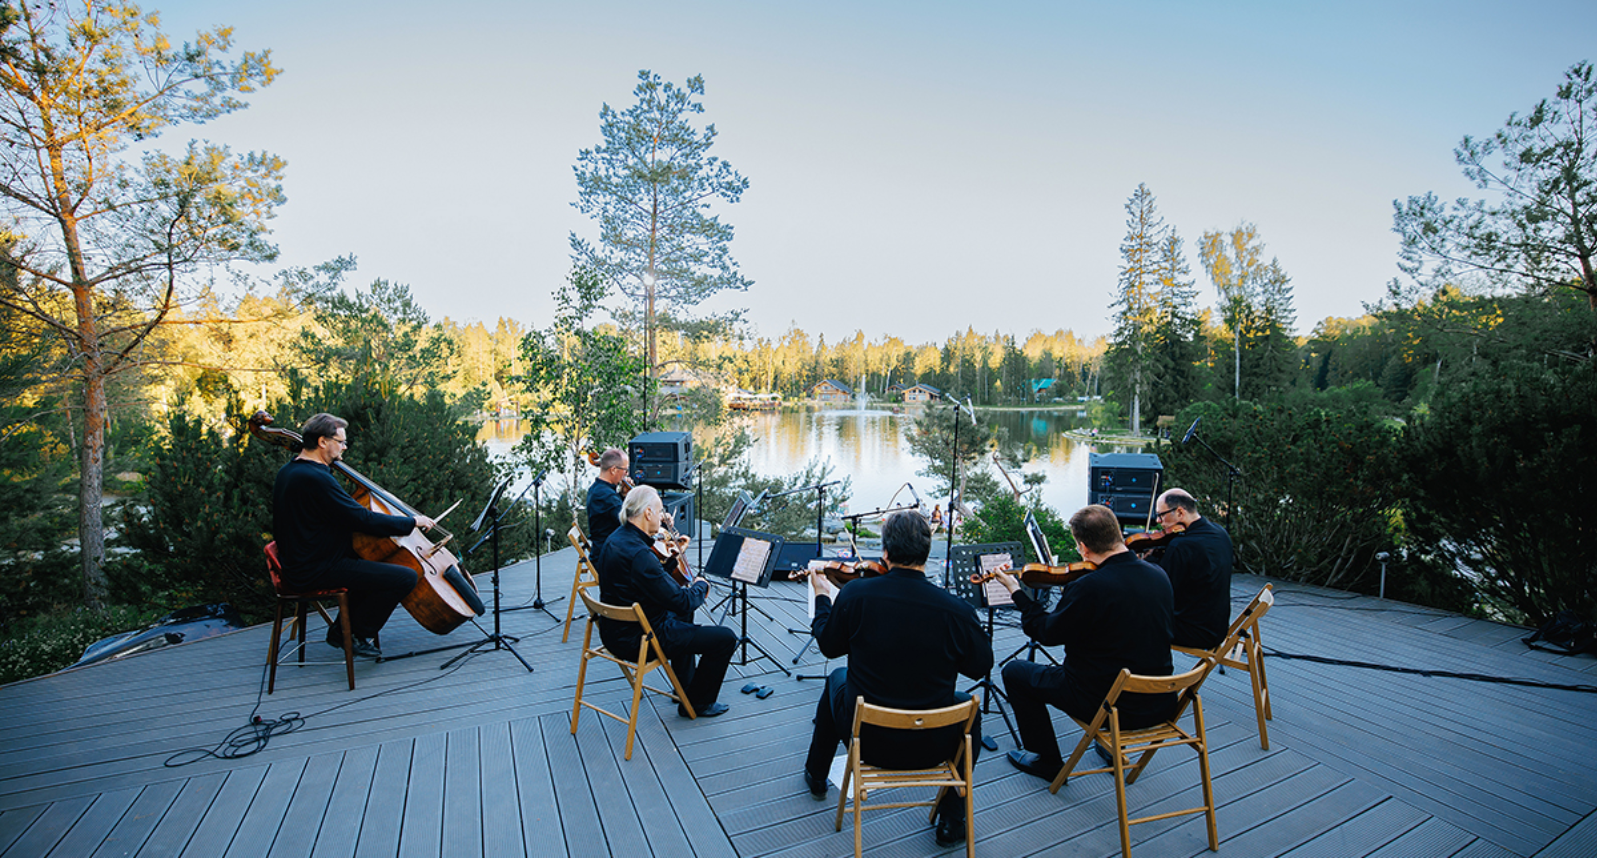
(444, 595)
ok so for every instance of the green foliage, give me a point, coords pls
(1003, 519)
(1538, 231)
(1256, 307)
(36, 516)
(649, 186)
(52, 641)
(1501, 474)
(1317, 499)
(932, 438)
(379, 338)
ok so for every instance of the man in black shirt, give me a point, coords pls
(314, 521)
(604, 498)
(1117, 616)
(630, 571)
(907, 642)
(1198, 561)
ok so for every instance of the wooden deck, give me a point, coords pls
(478, 760)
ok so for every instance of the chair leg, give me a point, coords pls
(571, 604)
(1202, 746)
(636, 675)
(582, 677)
(299, 620)
(277, 633)
(970, 801)
(349, 640)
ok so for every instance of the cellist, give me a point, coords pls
(314, 520)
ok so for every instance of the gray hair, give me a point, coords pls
(1180, 499)
(637, 501)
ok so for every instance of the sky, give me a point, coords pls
(914, 167)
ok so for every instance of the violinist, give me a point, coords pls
(314, 521)
(1199, 565)
(907, 642)
(1117, 617)
(630, 571)
(604, 498)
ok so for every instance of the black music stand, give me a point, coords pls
(1044, 553)
(965, 561)
(491, 515)
(743, 557)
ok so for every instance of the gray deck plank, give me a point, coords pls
(665, 834)
(96, 824)
(623, 832)
(16, 821)
(135, 826)
(423, 833)
(501, 809)
(576, 800)
(462, 800)
(340, 825)
(46, 831)
(264, 818)
(1376, 827)
(182, 817)
(1431, 837)
(223, 817)
(541, 828)
(1578, 842)
(383, 818)
(301, 822)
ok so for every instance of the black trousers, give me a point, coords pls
(897, 749)
(1032, 688)
(699, 656)
(375, 590)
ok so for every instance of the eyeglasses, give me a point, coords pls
(1161, 514)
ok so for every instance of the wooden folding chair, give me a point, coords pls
(1105, 728)
(1242, 650)
(300, 599)
(650, 657)
(586, 575)
(953, 773)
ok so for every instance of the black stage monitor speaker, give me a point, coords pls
(662, 459)
(795, 556)
(680, 506)
(1124, 482)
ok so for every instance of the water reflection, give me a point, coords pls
(869, 447)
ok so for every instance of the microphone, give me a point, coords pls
(971, 410)
(1191, 431)
(914, 494)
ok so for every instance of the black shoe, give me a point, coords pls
(1033, 764)
(365, 648)
(817, 785)
(951, 827)
(710, 711)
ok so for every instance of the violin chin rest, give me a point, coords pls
(464, 588)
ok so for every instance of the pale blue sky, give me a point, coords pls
(915, 167)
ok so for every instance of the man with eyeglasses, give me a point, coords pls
(1198, 562)
(314, 521)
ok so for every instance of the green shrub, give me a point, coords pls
(49, 642)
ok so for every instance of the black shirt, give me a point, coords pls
(604, 514)
(1118, 616)
(630, 571)
(1198, 561)
(907, 642)
(314, 520)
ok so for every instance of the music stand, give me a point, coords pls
(491, 516)
(968, 560)
(743, 557)
(1045, 555)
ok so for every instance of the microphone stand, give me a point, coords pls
(492, 515)
(538, 604)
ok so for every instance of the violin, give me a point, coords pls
(1149, 540)
(672, 549)
(444, 595)
(625, 486)
(1043, 575)
(840, 572)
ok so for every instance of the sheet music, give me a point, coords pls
(997, 595)
(750, 563)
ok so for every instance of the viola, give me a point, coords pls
(672, 549)
(1149, 540)
(1043, 575)
(444, 595)
(841, 572)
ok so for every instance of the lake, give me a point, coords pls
(868, 446)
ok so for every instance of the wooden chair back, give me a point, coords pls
(1123, 744)
(953, 773)
(649, 657)
(1242, 649)
(586, 575)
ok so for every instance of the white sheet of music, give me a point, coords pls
(997, 595)
(751, 560)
